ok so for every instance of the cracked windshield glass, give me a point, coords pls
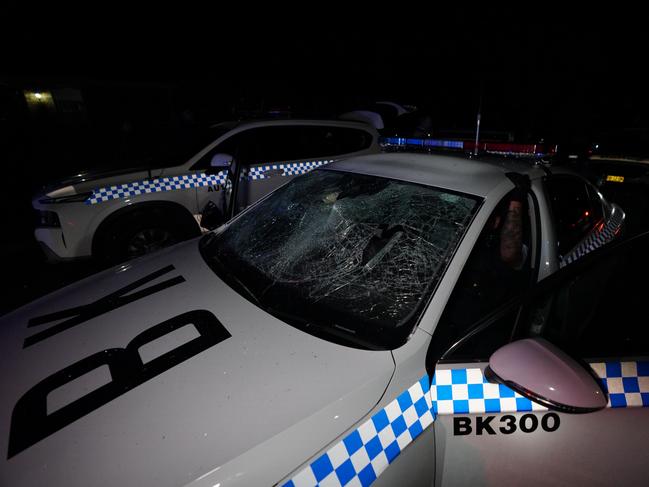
(344, 254)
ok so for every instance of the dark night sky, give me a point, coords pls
(548, 71)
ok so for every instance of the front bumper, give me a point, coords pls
(52, 241)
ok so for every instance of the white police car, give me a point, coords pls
(337, 332)
(123, 214)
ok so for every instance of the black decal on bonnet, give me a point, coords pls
(30, 422)
(86, 312)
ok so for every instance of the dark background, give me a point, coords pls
(148, 75)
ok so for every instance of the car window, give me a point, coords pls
(269, 144)
(575, 211)
(287, 143)
(592, 309)
(598, 311)
(228, 146)
(323, 141)
(345, 254)
(489, 280)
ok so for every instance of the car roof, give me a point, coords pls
(454, 172)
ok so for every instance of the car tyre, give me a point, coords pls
(142, 232)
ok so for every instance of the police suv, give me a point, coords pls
(124, 214)
(363, 324)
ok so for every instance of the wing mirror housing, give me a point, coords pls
(219, 162)
(545, 374)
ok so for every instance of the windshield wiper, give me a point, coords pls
(331, 331)
(233, 281)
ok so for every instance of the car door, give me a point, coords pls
(486, 434)
(272, 156)
(267, 157)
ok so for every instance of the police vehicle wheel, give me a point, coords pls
(140, 233)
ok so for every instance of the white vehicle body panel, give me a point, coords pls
(254, 388)
(259, 407)
(80, 220)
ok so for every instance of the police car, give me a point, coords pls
(124, 214)
(343, 330)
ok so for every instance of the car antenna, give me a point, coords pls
(477, 125)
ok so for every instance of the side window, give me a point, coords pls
(228, 146)
(288, 143)
(270, 144)
(498, 268)
(574, 210)
(332, 141)
(596, 308)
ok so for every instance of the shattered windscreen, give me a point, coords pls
(344, 253)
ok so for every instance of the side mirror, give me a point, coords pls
(543, 373)
(219, 162)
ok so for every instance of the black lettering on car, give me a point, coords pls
(545, 422)
(510, 424)
(461, 426)
(528, 423)
(533, 423)
(482, 424)
(86, 312)
(30, 422)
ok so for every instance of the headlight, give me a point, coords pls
(47, 219)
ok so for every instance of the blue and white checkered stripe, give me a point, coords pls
(596, 238)
(367, 451)
(259, 172)
(156, 185)
(464, 391)
(196, 180)
(361, 456)
(627, 383)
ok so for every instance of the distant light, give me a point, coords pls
(39, 100)
(614, 179)
(596, 146)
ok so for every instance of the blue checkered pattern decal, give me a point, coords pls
(598, 237)
(260, 172)
(367, 451)
(196, 180)
(156, 185)
(627, 383)
(361, 456)
(463, 391)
